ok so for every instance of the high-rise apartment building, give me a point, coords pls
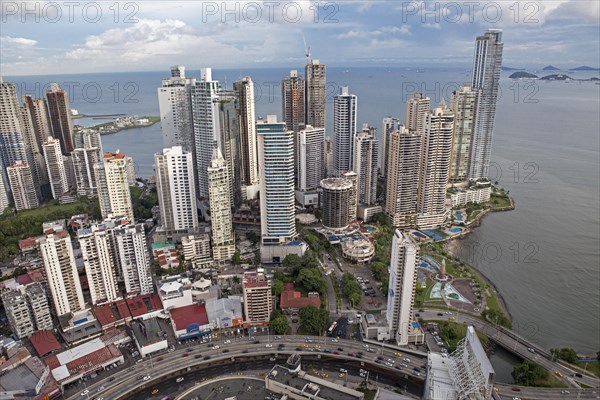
(87, 138)
(337, 194)
(258, 300)
(487, 65)
(38, 111)
(229, 143)
(344, 129)
(3, 189)
(315, 94)
(205, 116)
(133, 258)
(353, 200)
(60, 117)
(403, 174)
(366, 152)
(437, 146)
(176, 190)
(61, 272)
(276, 169)
(328, 157)
(83, 160)
(464, 103)
(97, 254)
(310, 157)
(55, 166)
(219, 189)
(416, 108)
(113, 186)
(401, 286)
(389, 125)
(244, 90)
(22, 186)
(292, 101)
(174, 102)
(27, 309)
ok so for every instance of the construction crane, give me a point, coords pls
(307, 50)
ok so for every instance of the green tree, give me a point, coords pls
(236, 259)
(311, 280)
(280, 325)
(277, 287)
(351, 288)
(567, 354)
(313, 320)
(528, 373)
(293, 263)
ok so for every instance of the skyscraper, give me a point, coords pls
(401, 286)
(84, 160)
(97, 254)
(174, 102)
(258, 300)
(416, 108)
(88, 138)
(61, 271)
(344, 129)
(337, 193)
(219, 190)
(38, 111)
(276, 169)
(205, 114)
(113, 186)
(389, 125)
(229, 142)
(292, 101)
(487, 65)
(244, 90)
(3, 189)
(353, 200)
(14, 145)
(403, 173)
(22, 186)
(328, 157)
(310, 162)
(437, 146)
(27, 309)
(55, 165)
(366, 151)
(315, 94)
(464, 102)
(133, 258)
(175, 185)
(60, 117)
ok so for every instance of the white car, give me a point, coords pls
(227, 341)
(334, 340)
(180, 379)
(268, 345)
(343, 371)
(215, 347)
(146, 378)
(85, 392)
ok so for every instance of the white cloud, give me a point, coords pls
(384, 30)
(19, 41)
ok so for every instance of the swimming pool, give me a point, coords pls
(456, 229)
(418, 234)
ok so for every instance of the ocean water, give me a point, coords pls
(543, 257)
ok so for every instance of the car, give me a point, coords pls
(130, 369)
(344, 371)
(112, 378)
(389, 364)
(226, 351)
(180, 379)
(327, 351)
(578, 375)
(380, 357)
(146, 378)
(398, 354)
(351, 354)
(139, 361)
(245, 351)
(440, 314)
(268, 345)
(398, 367)
(336, 352)
(101, 388)
(206, 358)
(185, 354)
(340, 349)
(559, 374)
(298, 348)
(334, 340)
(417, 315)
(515, 389)
(277, 337)
(324, 375)
(531, 349)
(305, 345)
(159, 359)
(198, 356)
(391, 360)
(404, 365)
(565, 392)
(154, 391)
(85, 392)
(227, 341)
(363, 375)
(516, 398)
(342, 375)
(406, 359)
(256, 342)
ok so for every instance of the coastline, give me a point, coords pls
(117, 130)
(476, 223)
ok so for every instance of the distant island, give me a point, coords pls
(122, 123)
(512, 69)
(550, 68)
(523, 74)
(584, 68)
(556, 77)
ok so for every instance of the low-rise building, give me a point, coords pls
(478, 193)
(175, 291)
(291, 301)
(190, 321)
(225, 313)
(196, 248)
(149, 336)
(366, 212)
(375, 327)
(30, 380)
(165, 254)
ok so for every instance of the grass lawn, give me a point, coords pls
(593, 367)
(451, 333)
(500, 201)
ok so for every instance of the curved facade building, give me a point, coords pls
(337, 193)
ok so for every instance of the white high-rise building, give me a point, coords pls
(389, 125)
(97, 255)
(344, 130)
(416, 108)
(244, 90)
(464, 103)
(258, 299)
(174, 102)
(311, 157)
(487, 65)
(61, 272)
(55, 165)
(133, 258)
(88, 138)
(3, 191)
(176, 189)
(401, 288)
(276, 169)
(437, 146)
(113, 186)
(219, 189)
(205, 115)
(27, 309)
(22, 186)
(366, 151)
(84, 160)
(403, 174)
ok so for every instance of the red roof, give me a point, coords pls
(293, 299)
(185, 316)
(24, 279)
(141, 305)
(27, 243)
(88, 362)
(44, 342)
(105, 315)
(122, 309)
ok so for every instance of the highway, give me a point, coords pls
(170, 364)
(507, 392)
(515, 344)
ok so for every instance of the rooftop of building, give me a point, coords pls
(440, 383)
(184, 317)
(293, 299)
(147, 331)
(336, 184)
(255, 279)
(376, 320)
(44, 342)
(111, 313)
(144, 304)
(24, 377)
(82, 358)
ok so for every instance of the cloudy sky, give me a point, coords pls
(51, 37)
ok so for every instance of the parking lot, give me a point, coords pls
(433, 340)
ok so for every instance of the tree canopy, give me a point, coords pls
(313, 320)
